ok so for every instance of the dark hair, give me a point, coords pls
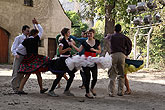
(64, 31)
(33, 32)
(24, 27)
(118, 28)
(91, 30)
(84, 31)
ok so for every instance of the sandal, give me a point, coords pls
(89, 97)
(94, 94)
(127, 92)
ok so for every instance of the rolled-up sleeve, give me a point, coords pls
(14, 46)
(20, 47)
(40, 30)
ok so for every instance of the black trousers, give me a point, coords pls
(87, 71)
(83, 77)
(60, 75)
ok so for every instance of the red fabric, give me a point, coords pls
(87, 54)
(42, 69)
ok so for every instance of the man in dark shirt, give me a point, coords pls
(120, 47)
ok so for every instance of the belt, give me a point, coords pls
(20, 54)
(64, 55)
(87, 54)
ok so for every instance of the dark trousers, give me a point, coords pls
(60, 75)
(87, 71)
(83, 77)
(57, 80)
(70, 80)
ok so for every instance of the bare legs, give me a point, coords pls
(39, 78)
(26, 77)
(23, 81)
(128, 90)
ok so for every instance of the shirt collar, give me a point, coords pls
(31, 37)
(24, 35)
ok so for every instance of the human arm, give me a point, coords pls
(78, 39)
(96, 50)
(74, 43)
(61, 50)
(20, 47)
(76, 48)
(107, 37)
(14, 46)
(128, 46)
(35, 23)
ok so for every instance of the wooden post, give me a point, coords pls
(148, 46)
(136, 34)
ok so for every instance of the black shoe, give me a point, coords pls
(120, 94)
(22, 92)
(43, 90)
(89, 97)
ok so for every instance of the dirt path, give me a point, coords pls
(148, 93)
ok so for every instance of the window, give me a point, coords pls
(28, 3)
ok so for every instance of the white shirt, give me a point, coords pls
(17, 44)
(18, 40)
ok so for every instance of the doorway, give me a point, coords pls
(52, 47)
(4, 43)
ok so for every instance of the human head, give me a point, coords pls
(83, 34)
(65, 32)
(91, 33)
(117, 28)
(34, 32)
(25, 30)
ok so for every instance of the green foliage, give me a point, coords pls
(77, 24)
(157, 50)
(96, 8)
(99, 28)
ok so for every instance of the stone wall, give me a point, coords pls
(49, 13)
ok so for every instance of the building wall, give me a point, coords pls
(49, 13)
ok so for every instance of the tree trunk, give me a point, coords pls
(109, 25)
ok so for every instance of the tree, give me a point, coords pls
(109, 10)
(77, 25)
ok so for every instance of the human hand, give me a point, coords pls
(35, 21)
(69, 49)
(70, 43)
(92, 49)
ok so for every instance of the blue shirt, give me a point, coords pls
(80, 40)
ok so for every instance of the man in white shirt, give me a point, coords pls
(20, 53)
(18, 57)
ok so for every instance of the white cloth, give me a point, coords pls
(18, 40)
(21, 47)
(82, 61)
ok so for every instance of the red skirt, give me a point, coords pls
(34, 64)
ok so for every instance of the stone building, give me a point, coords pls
(16, 13)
